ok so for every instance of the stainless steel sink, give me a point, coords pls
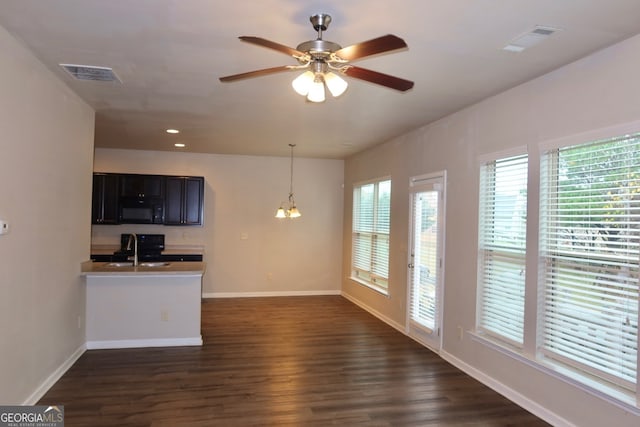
(142, 264)
(120, 264)
(154, 264)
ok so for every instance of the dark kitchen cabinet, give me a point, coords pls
(104, 209)
(141, 186)
(184, 198)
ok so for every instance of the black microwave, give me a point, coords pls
(141, 210)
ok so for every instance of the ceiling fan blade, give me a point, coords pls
(371, 47)
(273, 45)
(378, 78)
(256, 73)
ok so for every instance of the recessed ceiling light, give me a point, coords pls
(179, 145)
(173, 131)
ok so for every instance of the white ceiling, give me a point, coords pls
(170, 53)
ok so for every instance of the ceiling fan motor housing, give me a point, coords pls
(319, 48)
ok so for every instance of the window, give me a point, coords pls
(590, 251)
(584, 278)
(502, 241)
(370, 238)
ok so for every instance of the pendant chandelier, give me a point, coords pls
(289, 209)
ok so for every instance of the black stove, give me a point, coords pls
(150, 247)
(148, 244)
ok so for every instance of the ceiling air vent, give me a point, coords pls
(531, 38)
(90, 72)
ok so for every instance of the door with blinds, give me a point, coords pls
(425, 259)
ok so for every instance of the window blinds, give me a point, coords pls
(589, 242)
(370, 239)
(502, 248)
(423, 295)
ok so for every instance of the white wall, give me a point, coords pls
(46, 154)
(597, 92)
(242, 193)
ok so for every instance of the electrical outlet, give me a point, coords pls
(164, 315)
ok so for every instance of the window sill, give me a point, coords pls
(621, 398)
(371, 286)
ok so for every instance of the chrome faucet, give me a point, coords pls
(134, 238)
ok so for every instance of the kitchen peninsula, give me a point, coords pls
(154, 304)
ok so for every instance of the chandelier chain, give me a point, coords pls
(291, 175)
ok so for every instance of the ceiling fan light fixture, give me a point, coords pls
(316, 90)
(336, 84)
(303, 82)
(311, 84)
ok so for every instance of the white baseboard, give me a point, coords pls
(509, 393)
(54, 377)
(519, 399)
(156, 342)
(401, 328)
(268, 294)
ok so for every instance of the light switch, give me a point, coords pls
(4, 227)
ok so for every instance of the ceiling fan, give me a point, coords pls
(323, 60)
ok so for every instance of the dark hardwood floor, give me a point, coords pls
(290, 361)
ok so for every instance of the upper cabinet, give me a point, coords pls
(153, 199)
(104, 209)
(142, 186)
(184, 200)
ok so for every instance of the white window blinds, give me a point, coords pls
(502, 248)
(589, 242)
(424, 293)
(370, 237)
